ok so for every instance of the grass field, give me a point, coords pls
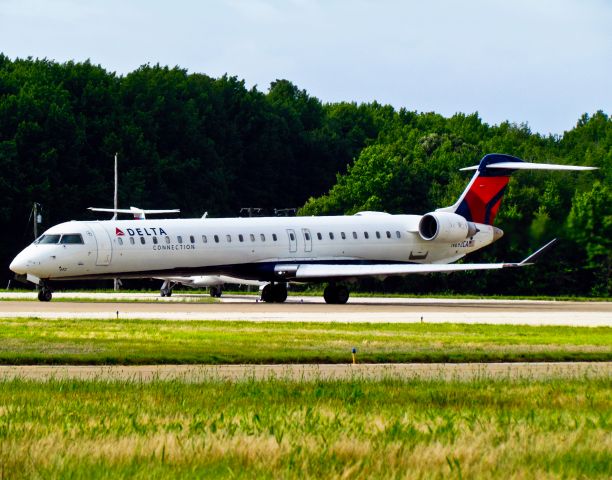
(319, 429)
(80, 341)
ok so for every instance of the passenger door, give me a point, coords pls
(292, 240)
(307, 239)
(103, 243)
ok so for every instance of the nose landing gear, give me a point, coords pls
(45, 294)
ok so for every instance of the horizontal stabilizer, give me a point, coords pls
(529, 166)
(139, 213)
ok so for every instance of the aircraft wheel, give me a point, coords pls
(267, 293)
(334, 294)
(45, 295)
(279, 293)
(329, 294)
(342, 294)
(215, 292)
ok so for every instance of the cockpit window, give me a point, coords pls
(71, 238)
(48, 239)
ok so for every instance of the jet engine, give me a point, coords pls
(445, 227)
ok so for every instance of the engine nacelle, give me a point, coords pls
(445, 227)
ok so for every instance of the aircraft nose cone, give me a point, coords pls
(19, 265)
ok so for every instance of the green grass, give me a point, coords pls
(319, 429)
(81, 341)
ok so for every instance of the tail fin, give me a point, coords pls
(480, 201)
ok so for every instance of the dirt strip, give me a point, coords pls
(308, 372)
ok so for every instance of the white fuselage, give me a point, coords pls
(243, 247)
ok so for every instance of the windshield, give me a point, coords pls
(71, 238)
(48, 239)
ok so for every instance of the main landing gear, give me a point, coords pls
(44, 294)
(216, 292)
(274, 293)
(336, 294)
(166, 288)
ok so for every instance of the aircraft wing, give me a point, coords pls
(343, 271)
(339, 271)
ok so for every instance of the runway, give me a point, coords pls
(309, 309)
(308, 372)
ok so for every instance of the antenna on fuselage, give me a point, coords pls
(116, 189)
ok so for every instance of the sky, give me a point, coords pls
(539, 62)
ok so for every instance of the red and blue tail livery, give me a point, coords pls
(481, 200)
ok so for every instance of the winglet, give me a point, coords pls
(530, 259)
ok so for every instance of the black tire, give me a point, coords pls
(342, 295)
(215, 292)
(279, 293)
(336, 294)
(168, 293)
(45, 295)
(329, 294)
(267, 293)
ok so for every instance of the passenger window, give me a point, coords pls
(241, 237)
(292, 236)
(49, 239)
(355, 235)
(120, 241)
(388, 234)
(331, 236)
(307, 235)
(398, 234)
(274, 237)
(191, 238)
(263, 237)
(366, 235)
(142, 240)
(377, 234)
(319, 236)
(252, 237)
(168, 240)
(155, 240)
(343, 235)
(132, 240)
(216, 238)
(179, 239)
(71, 239)
(204, 239)
(228, 238)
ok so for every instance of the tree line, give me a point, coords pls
(189, 141)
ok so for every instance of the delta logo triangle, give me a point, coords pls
(118, 232)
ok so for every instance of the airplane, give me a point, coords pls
(278, 250)
(214, 283)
